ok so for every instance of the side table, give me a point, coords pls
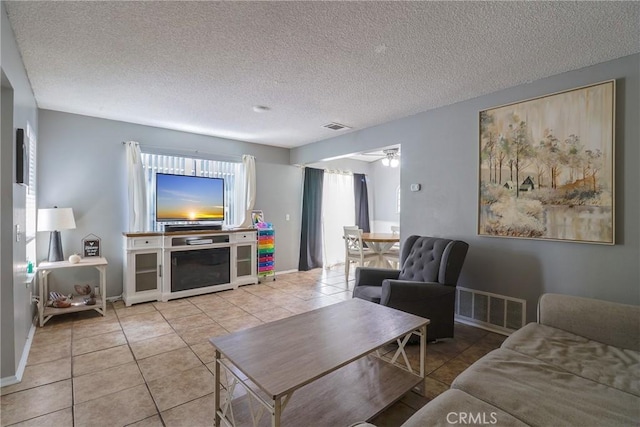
(45, 268)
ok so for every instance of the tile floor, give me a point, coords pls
(151, 364)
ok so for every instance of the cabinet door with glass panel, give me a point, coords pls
(245, 259)
(143, 270)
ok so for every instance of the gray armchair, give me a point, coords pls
(425, 285)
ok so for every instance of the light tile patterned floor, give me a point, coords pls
(150, 364)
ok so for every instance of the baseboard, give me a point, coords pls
(482, 325)
(286, 272)
(23, 361)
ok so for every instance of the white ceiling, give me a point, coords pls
(202, 66)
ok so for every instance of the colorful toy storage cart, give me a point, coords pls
(266, 254)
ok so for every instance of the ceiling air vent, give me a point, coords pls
(335, 126)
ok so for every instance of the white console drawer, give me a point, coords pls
(249, 236)
(145, 242)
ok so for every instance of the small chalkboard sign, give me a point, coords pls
(91, 246)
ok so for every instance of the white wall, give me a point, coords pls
(82, 166)
(440, 151)
(386, 182)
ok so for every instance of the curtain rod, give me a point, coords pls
(338, 172)
(347, 172)
(179, 151)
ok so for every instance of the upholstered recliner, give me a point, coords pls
(425, 285)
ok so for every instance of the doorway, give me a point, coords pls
(383, 189)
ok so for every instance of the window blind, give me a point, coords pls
(231, 172)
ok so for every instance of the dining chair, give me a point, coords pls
(393, 254)
(354, 249)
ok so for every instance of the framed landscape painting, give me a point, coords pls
(547, 167)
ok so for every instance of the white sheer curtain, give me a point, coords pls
(248, 189)
(136, 188)
(338, 210)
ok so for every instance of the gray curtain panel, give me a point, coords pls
(362, 201)
(311, 235)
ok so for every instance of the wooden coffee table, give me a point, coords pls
(322, 366)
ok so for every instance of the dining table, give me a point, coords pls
(382, 244)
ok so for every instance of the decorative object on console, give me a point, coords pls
(91, 246)
(90, 300)
(256, 218)
(547, 167)
(82, 289)
(54, 220)
(74, 259)
(57, 300)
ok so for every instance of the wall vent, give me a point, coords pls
(335, 126)
(494, 312)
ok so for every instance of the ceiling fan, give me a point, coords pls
(392, 157)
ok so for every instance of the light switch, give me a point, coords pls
(287, 217)
(415, 187)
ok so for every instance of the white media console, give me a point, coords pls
(177, 264)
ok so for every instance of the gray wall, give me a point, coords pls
(279, 195)
(440, 151)
(18, 107)
(82, 166)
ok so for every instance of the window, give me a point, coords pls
(30, 207)
(231, 172)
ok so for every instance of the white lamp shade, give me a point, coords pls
(385, 161)
(55, 219)
(394, 162)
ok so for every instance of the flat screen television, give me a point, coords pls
(189, 198)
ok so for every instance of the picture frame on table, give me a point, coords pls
(257, 216)
(91, 246)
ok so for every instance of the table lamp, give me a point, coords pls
(54, 220)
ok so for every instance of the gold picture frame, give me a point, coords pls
(546, 167)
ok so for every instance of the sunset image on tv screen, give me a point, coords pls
(189, 198)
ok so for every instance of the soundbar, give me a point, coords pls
(199, 241)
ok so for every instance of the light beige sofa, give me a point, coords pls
(579, 365)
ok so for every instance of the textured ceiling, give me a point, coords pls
(202, 66)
